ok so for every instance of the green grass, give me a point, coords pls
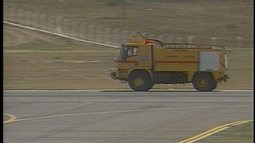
(236, 134)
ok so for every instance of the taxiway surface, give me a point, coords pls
(66, 116)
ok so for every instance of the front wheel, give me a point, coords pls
(140, 81)
(204, 82)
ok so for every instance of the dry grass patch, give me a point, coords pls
(42, 61)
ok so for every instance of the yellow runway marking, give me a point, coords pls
(11, 119)
(213, 131)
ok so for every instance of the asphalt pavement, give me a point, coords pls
(66, 116)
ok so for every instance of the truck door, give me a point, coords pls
(145, 57)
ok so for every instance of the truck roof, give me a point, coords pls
(176, 45)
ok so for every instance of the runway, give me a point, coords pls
(66, 116)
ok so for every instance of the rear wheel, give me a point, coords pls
(140, 81)
(204, 82)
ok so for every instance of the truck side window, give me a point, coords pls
(132, 51)
(123, 54)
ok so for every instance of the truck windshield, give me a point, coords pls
(127, 52)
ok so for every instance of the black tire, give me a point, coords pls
(204, 82)
(140, 81)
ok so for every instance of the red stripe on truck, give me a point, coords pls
(177, 62)
(134, 62)
(223, 65)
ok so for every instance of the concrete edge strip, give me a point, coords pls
(109, 90)
(213, 131)
(12, 118)
(57, 34)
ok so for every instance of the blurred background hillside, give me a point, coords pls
(225, 20)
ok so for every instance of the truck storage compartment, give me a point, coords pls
(209, 61)
(170, 77)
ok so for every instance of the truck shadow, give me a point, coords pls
(156, 91)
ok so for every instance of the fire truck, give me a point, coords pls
(143, 62)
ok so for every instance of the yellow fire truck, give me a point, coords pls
(143, 62)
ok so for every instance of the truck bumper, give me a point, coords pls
(113, 75)
(223, 79)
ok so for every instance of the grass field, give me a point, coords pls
(237, 134)
(34, 60)
(40, 61)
